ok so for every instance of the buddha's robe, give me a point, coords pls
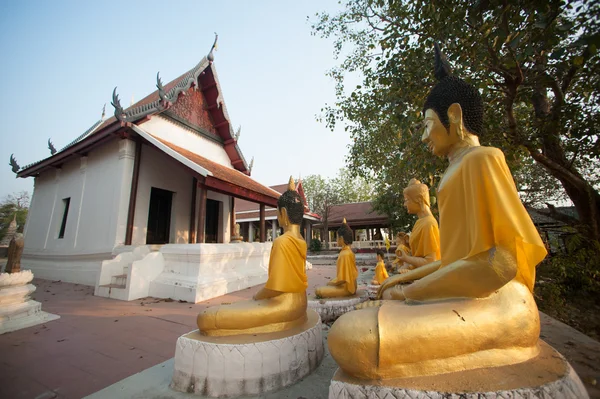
(346, 271)
(380, 272)
(287, 275)
(480, 210)
(425, 238)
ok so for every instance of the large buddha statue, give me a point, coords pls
(344, 283)
(281, 303)
(474, 308)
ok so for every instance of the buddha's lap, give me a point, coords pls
(252, 313)
(330, 291)
(506, 319)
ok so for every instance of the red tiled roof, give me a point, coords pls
(222, 172)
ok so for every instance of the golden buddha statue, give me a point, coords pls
(281, 303)
(380, 272)
(474, 308)
(344, 284)
(402, 246)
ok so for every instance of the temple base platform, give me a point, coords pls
(331, 308)
(547, 376)
(250, 364)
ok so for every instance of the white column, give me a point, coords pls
(274, 228)
(121, 199)
(250, 232)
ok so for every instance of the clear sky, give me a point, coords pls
(62, 59)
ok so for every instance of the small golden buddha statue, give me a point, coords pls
(380, 272)
(473, 308)
(344, 284)
(402, 246)
(281, 303)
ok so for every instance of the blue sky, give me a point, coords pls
(62, 59)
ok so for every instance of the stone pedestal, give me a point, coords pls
(331, 308)
(548, 376)
(17, 311)
(372, 291)
(251, 364)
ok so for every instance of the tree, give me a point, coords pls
(322, 193)
(535, 63)
(14, 204)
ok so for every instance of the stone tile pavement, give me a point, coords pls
(98, 341)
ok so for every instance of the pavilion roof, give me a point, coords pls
(357, 214)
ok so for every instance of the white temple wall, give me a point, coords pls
(92, 184)
(186, 138)
(161, 171)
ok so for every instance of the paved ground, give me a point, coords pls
(98, 342)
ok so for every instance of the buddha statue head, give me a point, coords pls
(380, 255)
(453, 110)
(345, 235)
(416, 197)
(290, 209)
(403, 239)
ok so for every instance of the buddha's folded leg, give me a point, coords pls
(330, 291)
(242, 315)
(437, 337)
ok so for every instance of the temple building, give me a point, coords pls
(146, 198)
(248, 216)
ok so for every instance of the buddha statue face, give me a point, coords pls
(416, 196)
(439, 140)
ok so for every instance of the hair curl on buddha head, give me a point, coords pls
(291, 201)
(346, 233)
(417, 190)
(451, 89)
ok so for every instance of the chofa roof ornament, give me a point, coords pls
(13, 163)
(211, 56)
(51, 147)
(119, 111)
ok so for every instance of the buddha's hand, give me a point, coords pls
(389, 283)
(403, 271)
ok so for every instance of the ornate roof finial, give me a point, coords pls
(119, 112)
(442, 67)
(13, 163)
(291, 184)
(51, 147)
(103, 112)
(211, 56)
(132, 101)
(237, 134)
(161, 90)
(251, 165)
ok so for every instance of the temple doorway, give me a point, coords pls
(212, 221)
(159, 216)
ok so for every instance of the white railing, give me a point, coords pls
(357, 244)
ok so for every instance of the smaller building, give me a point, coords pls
(248, 216)
(369, 226)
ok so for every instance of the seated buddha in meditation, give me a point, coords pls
(281, 303)
(402, 246)
(380, 272)
(344, 284)
(474, 308)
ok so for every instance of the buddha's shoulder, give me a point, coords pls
(478, 154)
